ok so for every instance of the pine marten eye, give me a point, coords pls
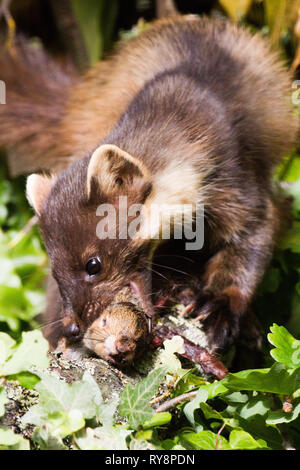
(93, 266)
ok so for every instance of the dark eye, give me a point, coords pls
(93, 266)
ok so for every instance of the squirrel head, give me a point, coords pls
(119, 335)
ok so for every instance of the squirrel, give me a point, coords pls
(192, 111)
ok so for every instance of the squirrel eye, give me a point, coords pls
(93, 266)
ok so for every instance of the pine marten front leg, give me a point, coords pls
(231, 277)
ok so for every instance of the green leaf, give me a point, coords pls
(256, 406)
(159, 419)
(3, 401)
(190, 408)
(44, 437)
(210, 413)
(257, 427)
(88, 14)
(168, 358)
(57, 395)
(134, 401)
(291, 241)
(31, 352)
(188, 382)
(294, 190)
(25, 379)
(204, 440)
(274, 380)
(103, 438)
(11, 441)
(6, 345)
(280, 416)
(240, 439)
(287, 348)
(62, 408)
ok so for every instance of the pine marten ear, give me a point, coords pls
(37, 189)
(117, 172)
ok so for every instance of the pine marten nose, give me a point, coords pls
(72, 332)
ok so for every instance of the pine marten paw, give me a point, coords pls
(220, 323)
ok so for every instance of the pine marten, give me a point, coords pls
(192, 111)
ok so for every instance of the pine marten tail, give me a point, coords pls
(36, 92)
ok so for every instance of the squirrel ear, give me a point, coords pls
(37, 189)
(117, 172)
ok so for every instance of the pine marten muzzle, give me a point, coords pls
(193, 111)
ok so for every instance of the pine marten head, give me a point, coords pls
(91, 256)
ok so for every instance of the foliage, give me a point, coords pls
(22, 258)
(251, 409)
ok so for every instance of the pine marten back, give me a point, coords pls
(193, 111)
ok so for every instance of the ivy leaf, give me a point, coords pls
(56, 395)
(187, 382)
(204, 440)
(190, 408)
(11, 441)
(134, 401)
(280, 416)
(103, 438)
(159, 419)
(291, 241)
(257, 427)
(275, 380)
(3, 401)
(44, 437)
(105, 411)
(240, 439)
(31, 352)
(6, 345)
(210, 413)
(26, 379)
(255, 406)
(167, 355)
(62, 409)
(287, 348)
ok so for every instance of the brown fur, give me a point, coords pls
(119, 334)
(201, 109)
(36, 93)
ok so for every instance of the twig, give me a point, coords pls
(167, 393)
(209, 363)
(167, 405)
(218, 435)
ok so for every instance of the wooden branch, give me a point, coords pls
(208, 362)
(167, 405)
